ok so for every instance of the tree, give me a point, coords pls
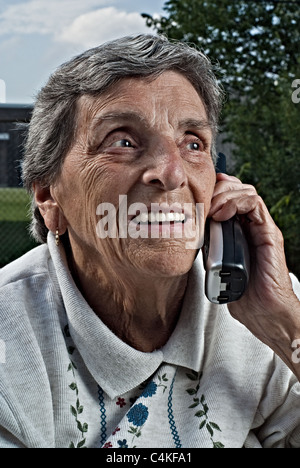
(255, 48)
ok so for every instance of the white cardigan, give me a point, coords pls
(67, 381)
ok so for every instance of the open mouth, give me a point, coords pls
(159, 218)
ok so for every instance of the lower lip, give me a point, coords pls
(160, 230)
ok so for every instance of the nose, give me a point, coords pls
(165, 168)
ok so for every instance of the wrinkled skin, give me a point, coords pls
(151, 141)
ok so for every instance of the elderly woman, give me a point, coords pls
(110, 341)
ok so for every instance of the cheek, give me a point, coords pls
(203, 184)
(85, 191)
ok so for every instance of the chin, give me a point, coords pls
(169, 262)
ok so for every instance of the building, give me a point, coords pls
(12, 133)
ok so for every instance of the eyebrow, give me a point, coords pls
(131, 116)
(124, 116)
(200, 124)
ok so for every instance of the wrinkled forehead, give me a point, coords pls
(145, 99)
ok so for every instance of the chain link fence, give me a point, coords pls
(14, 201)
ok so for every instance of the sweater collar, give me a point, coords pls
(116, 366)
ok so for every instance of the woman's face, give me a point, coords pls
(141, 148)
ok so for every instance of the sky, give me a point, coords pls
(36, 36)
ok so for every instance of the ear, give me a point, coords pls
(53, 216)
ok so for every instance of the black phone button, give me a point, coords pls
(222, 299)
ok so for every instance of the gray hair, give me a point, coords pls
(52, 127)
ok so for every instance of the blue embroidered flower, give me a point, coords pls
(138, 414)
(150, 390)
(123, 443)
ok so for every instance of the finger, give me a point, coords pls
(252, 206)
(231, 193)
(229, 186)
(222, 176)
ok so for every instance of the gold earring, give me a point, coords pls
(56, 237)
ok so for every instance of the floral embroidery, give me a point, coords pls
(122, 443)
(203, 413)
(107, 445)
(138, 414)
(121, 402)
(161, 379)
(150, 390)
(78, 408)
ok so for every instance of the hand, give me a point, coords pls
(269, 308)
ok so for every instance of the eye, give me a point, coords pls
(194, 146)
(123, 143)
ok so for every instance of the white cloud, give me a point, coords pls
(76, 22)
(92, 28)
(38, 35)
(43, 16)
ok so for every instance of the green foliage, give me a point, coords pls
(255, 48)
(15, 239)
(14, 204)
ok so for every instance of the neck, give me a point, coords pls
(141, 310)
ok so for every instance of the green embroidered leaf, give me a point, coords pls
(215, 426)
(73, 411)
(70, 367)
(194, 405)
(192, 376)
(79, 407)
(74, 365)
(79, 425)
(81, 444)
(208, 427)
(73, 386)
(203, 413)
(72, 445)
(218, 445)
(132, 430)
(202, 424)
(85, 427)
(164, 377)
(191, 391)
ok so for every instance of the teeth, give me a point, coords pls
(151, 217)
(159, 217)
